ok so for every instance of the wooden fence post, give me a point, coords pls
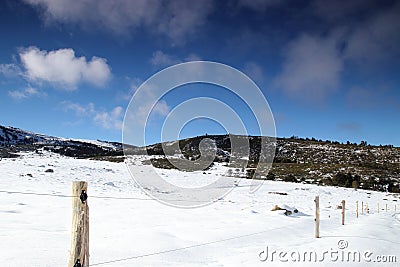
(386, 207)
(79, 250)
(378, 207)
(357, 208)
(316, 216)
(362, 207)
(343, 210)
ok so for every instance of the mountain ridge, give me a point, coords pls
(296, 159)
(14, 140)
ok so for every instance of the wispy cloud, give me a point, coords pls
(311, 68)
(79, 109)
(193, 57)
(127, 94)
(10, 70)
(26, 93)
(161, 59)
(62, 68)
(376, 39)
(111, 119)
(254, 71)
(143, 103)
(372, 32)
(174, 19)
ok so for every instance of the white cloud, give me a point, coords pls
(373, 34)
(182, 17)
(145, 101)
(192, 57)
(375, 40)
(61, 67)
(175, 19)
(110, 120)
(127, 95)
(161, 108)
(161, 59)
(141, 116)
(10, 70)
(311, 67)
(80, 110)
(254, 71)
(106, 119)
(25, 93)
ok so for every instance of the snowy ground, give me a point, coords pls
(128, 228)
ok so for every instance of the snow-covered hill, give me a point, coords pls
(308, 160)
(14, 140)
(128, 228)
(14, 136)
(296, 160)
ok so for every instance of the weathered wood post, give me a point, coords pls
(378, 207)
(343, 210)
(357, 208)
(316, 216)
(362, 207)
(79, 250)
(386, 207)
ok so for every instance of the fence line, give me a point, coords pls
(102, 197)
(187, 247)
(163, 251)
(36, 194)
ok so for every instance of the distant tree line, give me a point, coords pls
(312, 139)
(354, 181)
(342, 179)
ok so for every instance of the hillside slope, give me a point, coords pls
(128, 228)
(296, 160)
(308, 161)
(14, 140)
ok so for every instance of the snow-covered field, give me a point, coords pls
(128, 228)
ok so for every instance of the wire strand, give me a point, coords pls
(105, 197)
(36, 194)
(184, 248)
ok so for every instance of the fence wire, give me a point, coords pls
(187, 247)
(101, 197)
(147, 199)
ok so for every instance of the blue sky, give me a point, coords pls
(329, 69)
